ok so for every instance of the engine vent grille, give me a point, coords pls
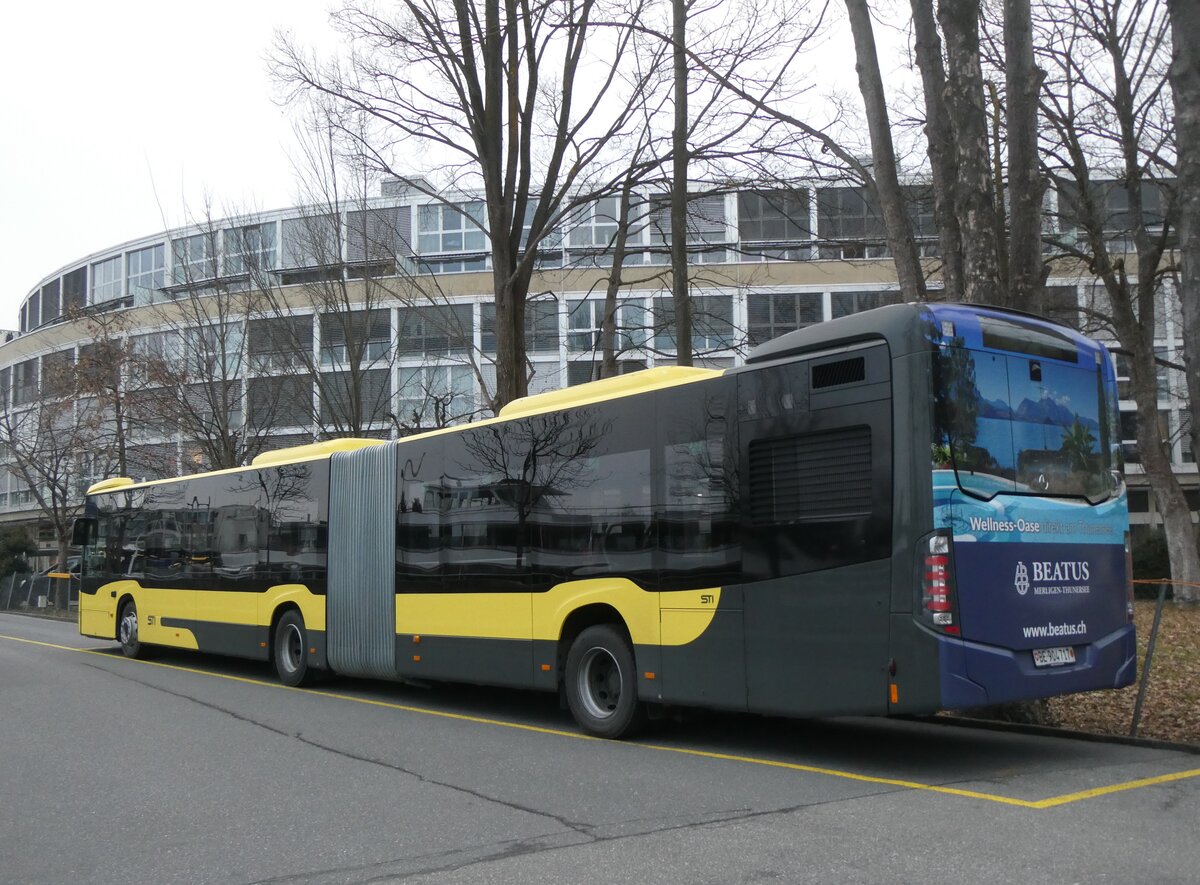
(814, 477)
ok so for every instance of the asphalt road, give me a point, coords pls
(199, 769)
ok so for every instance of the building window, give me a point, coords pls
(596, 223)
(51, 307)
(355, 333)
(25, 382)
(541, 326)
(587, 318)
(281, 343)
(846, 303)
(145, 271)
(106, 280)
(281, 402)
(378, 235)
(773, 314)
(250, 249)
(354, 398)
(435, 330)
(583, 371)
(712, 323)
(74, 292)
(434, 396)
(214, 351)
(773, 216)
(194, 258)
(847, 213)
(312, 241)
(451, 228)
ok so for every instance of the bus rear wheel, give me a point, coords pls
(601, 685)
(127, 632)
(290, 648)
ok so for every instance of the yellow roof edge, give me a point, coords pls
(108, 485)
(314, 450)
(606, 388)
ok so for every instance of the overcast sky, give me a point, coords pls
(116, 117)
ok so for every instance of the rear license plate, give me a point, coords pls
(1053, 657)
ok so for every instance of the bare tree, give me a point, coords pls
(1026, 187)
(1106, 102)
(1185, 87)
(52, 444)
(186, 376)
(490, 84)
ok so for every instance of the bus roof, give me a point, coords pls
(551, 400)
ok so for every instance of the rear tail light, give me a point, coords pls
(937, 584)
(1128, 578)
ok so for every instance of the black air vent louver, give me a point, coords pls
(840, 372)
(816, 477)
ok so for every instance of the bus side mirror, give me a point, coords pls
(83, 532)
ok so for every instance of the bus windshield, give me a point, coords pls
(1017, 424)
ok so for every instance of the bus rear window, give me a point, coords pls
(1015, 425)
(1017, 337)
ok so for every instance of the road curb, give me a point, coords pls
(1067, 733)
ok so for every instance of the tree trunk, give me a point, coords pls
(1185, 86)
(680, 296)
(62, 586)
(608, 327)
(1023, 81)
(896, 223)
(939, 135)
(1168, 494)
(973, 203)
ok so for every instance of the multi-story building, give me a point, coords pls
(767, 262)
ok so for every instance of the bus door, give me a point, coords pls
(816, 453)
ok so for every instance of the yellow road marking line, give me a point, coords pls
(1051, 802)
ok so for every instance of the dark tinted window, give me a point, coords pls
(247, 531)
(697, 523)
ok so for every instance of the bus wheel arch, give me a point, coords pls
(289, 646)
(599, 673)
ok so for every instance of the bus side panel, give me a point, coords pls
(708, 670)
(816, 642)
(815, 455)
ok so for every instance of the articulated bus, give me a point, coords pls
(911, 509)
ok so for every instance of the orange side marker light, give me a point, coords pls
(895, 693)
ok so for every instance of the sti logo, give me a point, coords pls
(1021, 579)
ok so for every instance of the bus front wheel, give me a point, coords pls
(601, 683)
(291, 650)
(127, 631)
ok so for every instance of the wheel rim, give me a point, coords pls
(600, 682)
(291, 648)
(129, 628)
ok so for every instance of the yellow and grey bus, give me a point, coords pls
(863, 519)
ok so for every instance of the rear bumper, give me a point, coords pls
(974, 675)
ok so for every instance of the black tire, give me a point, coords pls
(290, 650)
(601, 683)
(127, 632)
